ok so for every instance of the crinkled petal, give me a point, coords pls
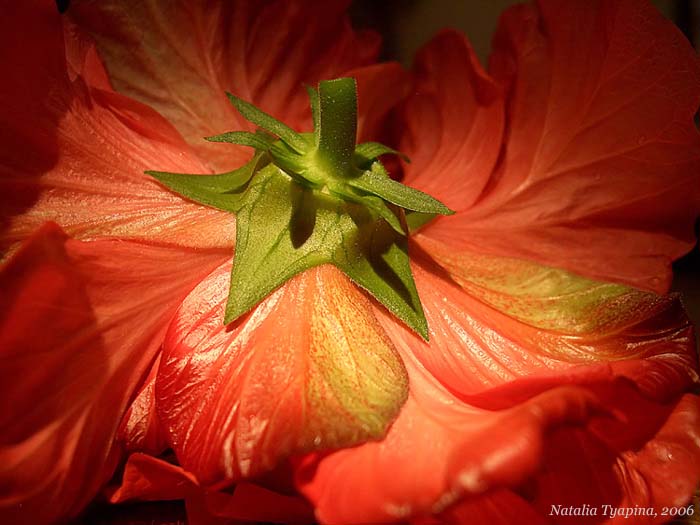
(599, 174)
(80, 326)
(544, 297)
(440, 452)
(454, 121)
(597, 467)
(493, 320)
(577, 471)
(437, 450)
(309, 368)
(180, 57)
(487, 392)
(141, 430)
(74, 151)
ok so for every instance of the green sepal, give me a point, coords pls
(315, 198)
(337, 124)
(274, 230)
(244, 138)
(367, 152)
(296, 166)
(268, 123)
(276, 240)
(377, 182)
(379, 207)
(376, 258)
(222, 191)
(315, 103)
(415, 220)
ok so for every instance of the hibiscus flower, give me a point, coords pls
(552, 371)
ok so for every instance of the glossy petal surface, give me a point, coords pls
(487, 393)
(543, 297)
(598, 466)
(465, 451)
(436, 450)
(578, 470)
(98, 312)
(308, 368)
(599, 171)
(474, 347)
(140, 430)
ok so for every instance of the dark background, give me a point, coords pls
(408, 24)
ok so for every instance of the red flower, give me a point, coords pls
(551, 378)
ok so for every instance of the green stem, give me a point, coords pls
(337, 126)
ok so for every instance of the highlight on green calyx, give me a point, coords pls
(307, 199)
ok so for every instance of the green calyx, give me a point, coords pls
(307, 199)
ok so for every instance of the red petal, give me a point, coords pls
(141, 430)
(309, 368)
(588, 467)
(379, 88)
(441, 450)
(454, 122)
(252, 502)
(474, 348)
(438, 449)
(180, 57)
(75, 152)
(509, 385)
(572, 485)
(81, 323)
(151, 479)
(599, 174)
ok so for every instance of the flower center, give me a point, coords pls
(307, 199)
